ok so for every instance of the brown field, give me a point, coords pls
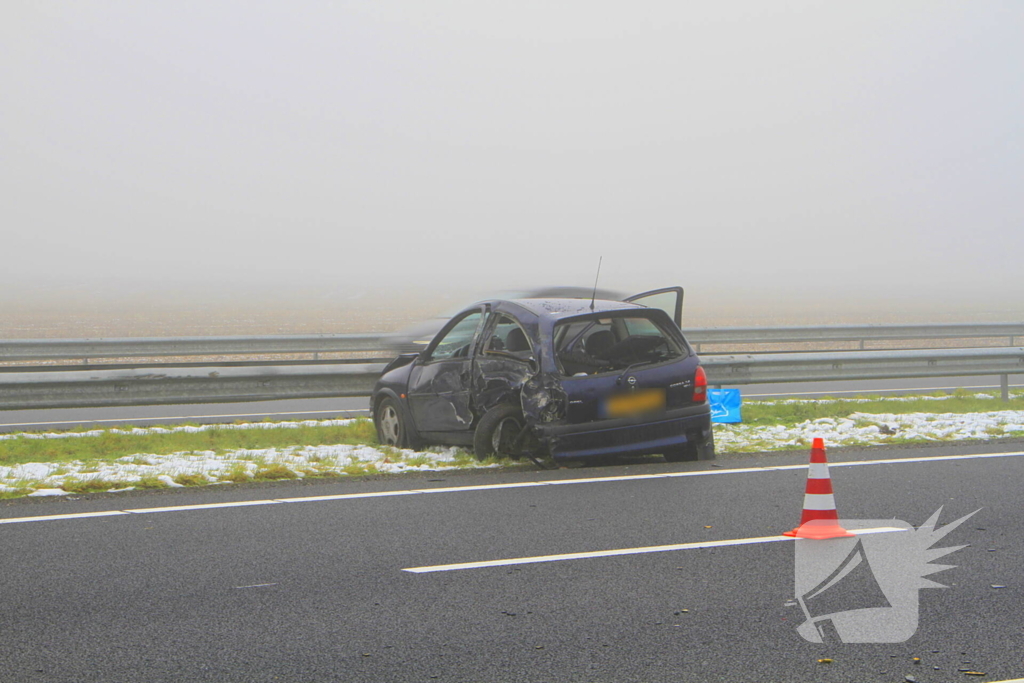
(72, 315)
(156, 317)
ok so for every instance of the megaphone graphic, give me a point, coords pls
(852, 585)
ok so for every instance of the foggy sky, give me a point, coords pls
(769, 148)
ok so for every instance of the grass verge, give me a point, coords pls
(792, 412)
(108, 445)
(87, 461)
(788, 424)
(196, 455)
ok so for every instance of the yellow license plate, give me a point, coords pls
(643, 401)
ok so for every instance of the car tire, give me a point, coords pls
(392, 429)
(497, 429)
(692, 452)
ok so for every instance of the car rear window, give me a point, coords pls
(604, 344)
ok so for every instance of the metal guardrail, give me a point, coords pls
(211, 383)
(853, 365)
(169, 383)
(143, 347)
(858, 333)
(176, 385)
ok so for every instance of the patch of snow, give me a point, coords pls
(126, 472)
(49, 492)
(188, 429)
(30, 470)
(864, 429)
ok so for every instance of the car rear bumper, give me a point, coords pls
(670, 430)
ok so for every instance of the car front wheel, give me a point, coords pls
(391, 427)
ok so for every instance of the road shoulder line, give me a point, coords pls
(496, 487)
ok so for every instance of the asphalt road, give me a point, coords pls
(22, 420)
(319, 589)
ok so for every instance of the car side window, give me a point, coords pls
(640, 326)
(457, 341)
(508, 338)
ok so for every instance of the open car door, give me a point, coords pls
(668, 299)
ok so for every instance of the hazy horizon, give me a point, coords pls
(769, 157)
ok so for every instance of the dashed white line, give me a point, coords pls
(497, 487)
(258, 585)
(202, 506)
(72, 515)
(622, 551)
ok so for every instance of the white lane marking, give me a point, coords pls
(937, 458)
(623, 551)
(73, 515)
(346, 496)
(203, 506)
(517, 485)
(258, 585)
(361, 411)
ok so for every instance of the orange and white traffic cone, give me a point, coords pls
(820, 519)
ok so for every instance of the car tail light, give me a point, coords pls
(700, 386)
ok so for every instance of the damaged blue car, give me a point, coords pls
(570, 379)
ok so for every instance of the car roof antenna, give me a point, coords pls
(594, 295)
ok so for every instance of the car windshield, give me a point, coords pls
(585, 346)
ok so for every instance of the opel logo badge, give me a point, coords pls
(631, 381)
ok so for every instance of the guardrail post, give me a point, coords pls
(1004, 385)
